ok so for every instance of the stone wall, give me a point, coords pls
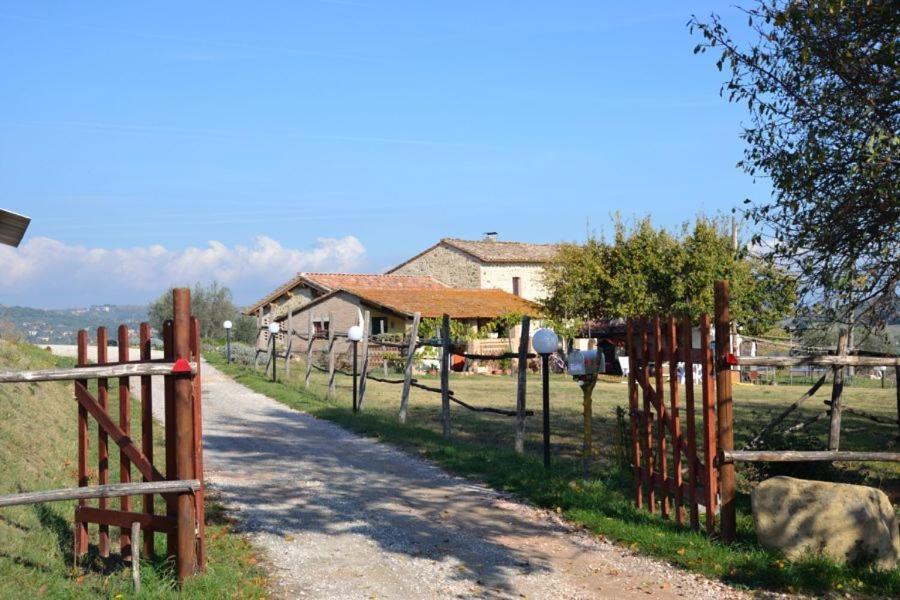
(447, 265)
(500, 276)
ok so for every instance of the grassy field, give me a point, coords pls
(37, 452)
(482, 448)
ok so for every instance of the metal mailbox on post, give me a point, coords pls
(582, 363)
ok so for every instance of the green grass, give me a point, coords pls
(37, 452)
(481, 449)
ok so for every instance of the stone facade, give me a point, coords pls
(461, 270)
(500, 276)
(448, 265)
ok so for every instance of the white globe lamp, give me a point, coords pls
(355, 333)
(545, 341)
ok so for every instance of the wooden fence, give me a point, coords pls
(701, 472)
(180, 485)
(406, 349)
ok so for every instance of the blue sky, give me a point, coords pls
(342, 134)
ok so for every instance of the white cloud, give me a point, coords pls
(45, 272)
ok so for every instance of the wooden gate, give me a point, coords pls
(182, 520)
(674, 469)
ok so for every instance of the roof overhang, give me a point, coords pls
(12, 227)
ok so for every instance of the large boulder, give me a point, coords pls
(849, 523)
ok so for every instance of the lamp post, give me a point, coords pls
(354, 334)
(274, 328)
(227, 325)
(545, 343)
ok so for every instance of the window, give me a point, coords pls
(379, 325)
(517, 286)
(321, 328)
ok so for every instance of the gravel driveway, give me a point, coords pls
(339, 516)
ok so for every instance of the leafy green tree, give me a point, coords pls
(821, 82)
(212, 305)
(649, 271)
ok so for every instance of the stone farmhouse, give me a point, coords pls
(513, 267)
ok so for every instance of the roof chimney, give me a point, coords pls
(490, 236)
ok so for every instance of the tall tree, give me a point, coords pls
(213, 305)
(822, 84)
(649, 271)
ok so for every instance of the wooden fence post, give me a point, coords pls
(687, 345)
(837, 390)
(674, 417)
(125, 424)
(197, 405)
(186, 561)
(146, 430)
(408, 368)
(81, 528)
(522, 382)
(331, 357)
(259, 334)
(288, 344)
(724, 411)
(662, 418)
(365, 359)
(103, 437)
(169, 407)
(631, 349)
(445, 375)
(710, 474)
(647, 417)
(897, 390)
(310, 338)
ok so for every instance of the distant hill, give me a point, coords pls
(60, 326)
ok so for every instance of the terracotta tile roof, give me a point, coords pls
(494, 251)
(333, 281)
(458, 303)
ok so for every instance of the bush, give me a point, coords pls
(241, 353)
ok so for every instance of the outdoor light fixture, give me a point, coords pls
(354, 334)
(227, 325)
(546, 342)
(274, 328)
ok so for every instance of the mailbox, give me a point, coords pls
(586, 362)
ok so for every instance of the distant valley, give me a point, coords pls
(60, 326)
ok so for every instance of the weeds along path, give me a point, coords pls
(340, 516)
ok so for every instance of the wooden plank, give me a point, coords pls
(364, 374)
(709, 425)
(408, 367)
(81, 530)
(445, 375)
(662, 413)
(131, 451)
(103, 437)
(522, 377)
(114, 490)
(146, 429)
(647, 434)
(687, 354)
(169, 406)
(125, 425)
(674, 416)
(136, 557)
(186, 556)
(837, 390)
(808, 456)
(331, 356)
(89, 372)
(289, 343)
(123, 519)
(197, 404)
(630, 349)
(822, 361)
